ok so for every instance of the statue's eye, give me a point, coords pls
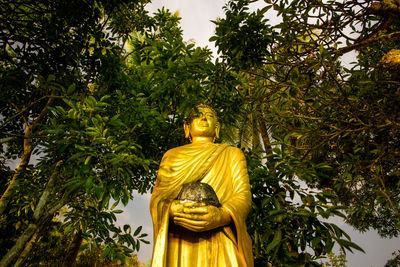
(196, 115)
(210, 115)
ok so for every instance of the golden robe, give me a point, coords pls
(224, 168)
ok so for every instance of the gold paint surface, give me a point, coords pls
(221, 166)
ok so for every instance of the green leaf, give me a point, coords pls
(117, 211)
(114, 205)
(125, 198)
(98, 190)
(137, 231)
(51, 78)
(276, 240)
(349, 244)
(68, 229)
(106, 252)
(127, 228)
(71, 88)
(87, 159)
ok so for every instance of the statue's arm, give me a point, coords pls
(239, 204)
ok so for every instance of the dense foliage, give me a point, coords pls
(54, 122)
(93, 92)
(338, 120)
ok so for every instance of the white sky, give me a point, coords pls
(197, 26)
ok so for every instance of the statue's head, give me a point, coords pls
(202, 121)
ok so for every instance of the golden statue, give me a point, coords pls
(194, 234)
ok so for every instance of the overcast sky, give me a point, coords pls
(197, 26)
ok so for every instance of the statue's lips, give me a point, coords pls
(204, 125)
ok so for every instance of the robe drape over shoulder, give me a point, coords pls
(224, 168)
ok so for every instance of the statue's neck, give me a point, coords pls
(202, 140)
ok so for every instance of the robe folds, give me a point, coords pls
(223, 167)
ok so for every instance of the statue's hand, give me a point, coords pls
(199, 217)
(176, 207)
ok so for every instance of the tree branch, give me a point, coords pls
(26, 109)
(19, 245)
(44, 110)
(39, 218)
(20, 112)
(264, 131)
(28, 148)
(368, 41)
(47, 191)
(7, 139)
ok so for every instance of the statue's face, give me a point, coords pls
(204, 123)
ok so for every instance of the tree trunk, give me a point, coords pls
(28, 148)
(28, 247)
(19, 245)
(39, 218)
(264, 132)
(73, 250)
(28, 233)
(256, 143)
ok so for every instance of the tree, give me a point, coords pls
(51, 52)
(394, 261)
(336, 125)
(289, 223)
(50, 251)
(113, 113)
(340, 116)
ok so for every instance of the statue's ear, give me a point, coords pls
(186, 129)
(217, 127)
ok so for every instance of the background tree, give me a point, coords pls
(52, 246)
(51, 53)
(102, 118)
(340, 122)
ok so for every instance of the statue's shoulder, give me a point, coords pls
(235, 152)
(172, 151)
(175, 151)
(231, 149)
